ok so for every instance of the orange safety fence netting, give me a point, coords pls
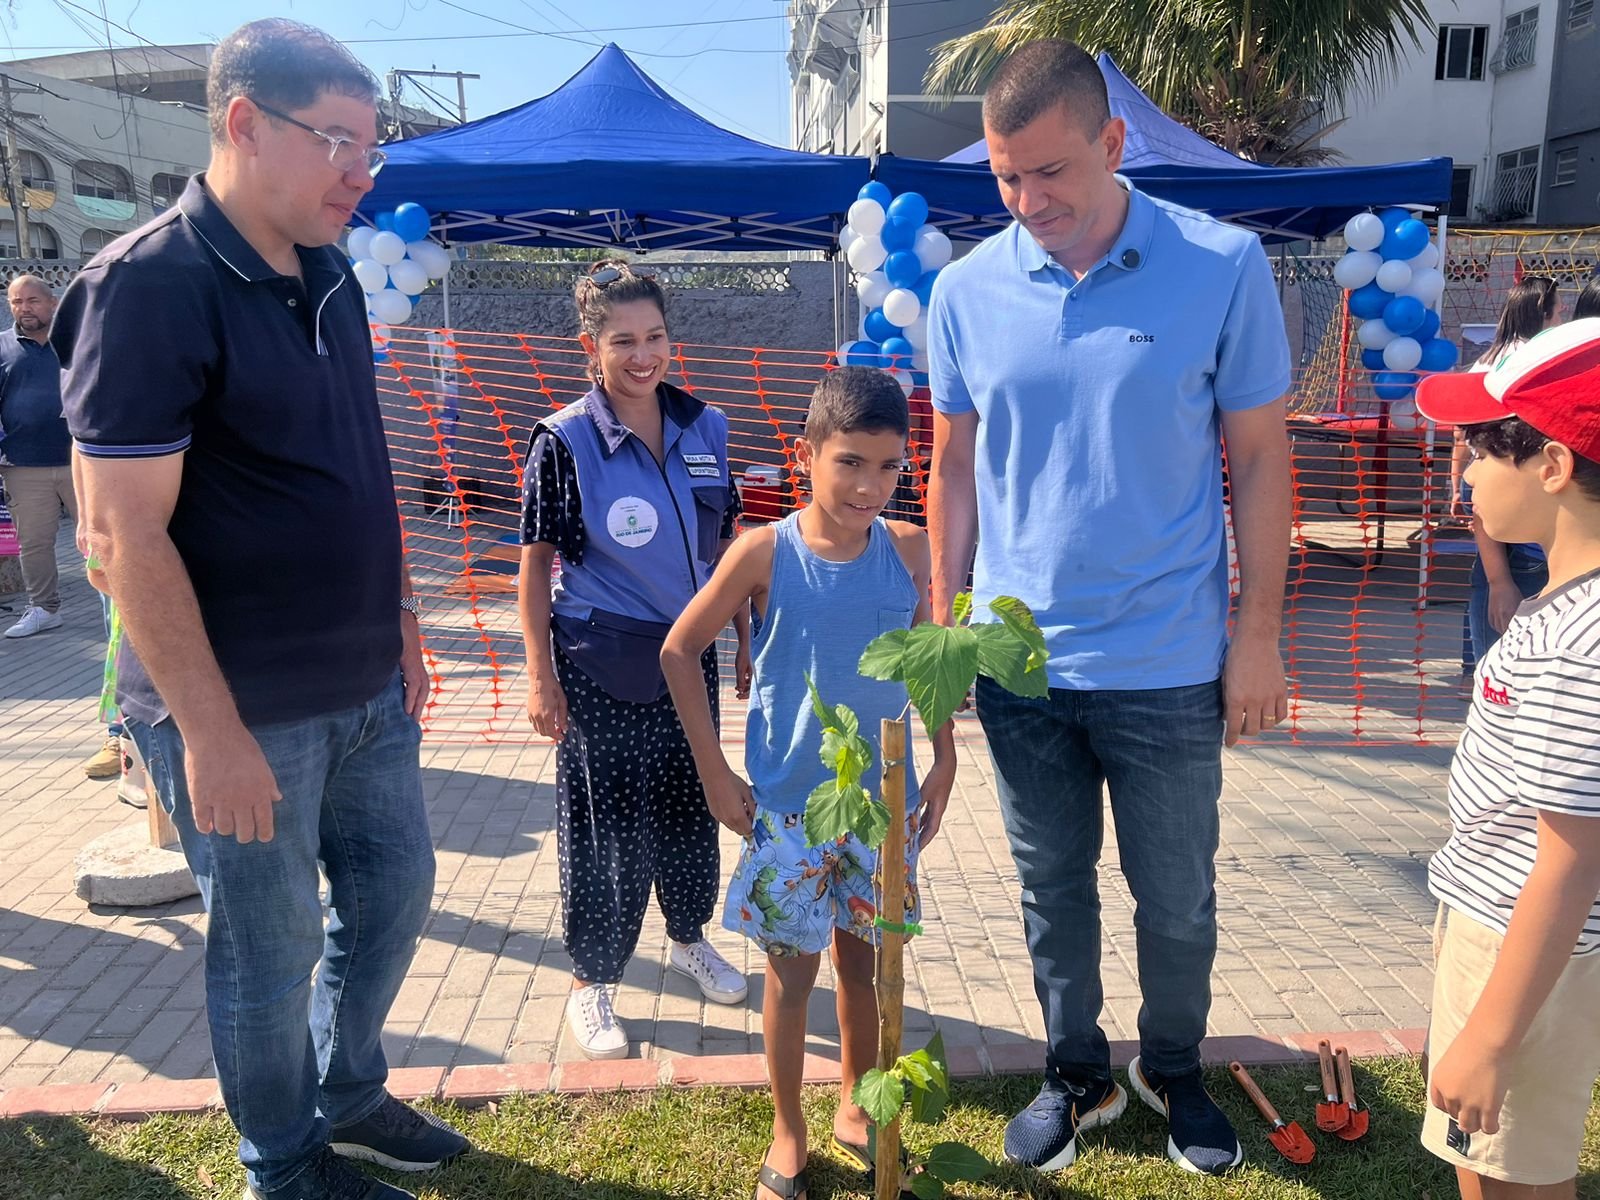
(1377, 578)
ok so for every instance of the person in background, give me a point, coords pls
(631, 487)
(1588, 302)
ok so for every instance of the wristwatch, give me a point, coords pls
(409, 604)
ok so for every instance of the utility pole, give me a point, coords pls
(396, 74)
(13, 175)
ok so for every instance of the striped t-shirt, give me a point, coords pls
(1532, 742)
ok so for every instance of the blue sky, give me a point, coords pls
(723, 58)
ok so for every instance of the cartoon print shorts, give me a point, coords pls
(789, 897)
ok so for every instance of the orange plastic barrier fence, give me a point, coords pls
(1377, 583)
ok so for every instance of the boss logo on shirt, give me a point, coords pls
(1141, 337)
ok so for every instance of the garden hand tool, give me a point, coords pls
(1291, 1141)
(1359, 1117)
(1333, 1114)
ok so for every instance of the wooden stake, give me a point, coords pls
(891, 983)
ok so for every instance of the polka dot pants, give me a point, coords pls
(630, 814)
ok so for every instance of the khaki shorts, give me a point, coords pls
(1551, 1075)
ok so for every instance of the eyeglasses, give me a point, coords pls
(343, 152)
(606, 276)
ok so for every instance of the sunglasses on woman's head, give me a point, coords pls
(609, 275)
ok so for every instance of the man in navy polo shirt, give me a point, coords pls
(1084, 363)
(237, 494)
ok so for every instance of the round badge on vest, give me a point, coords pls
(632, 521)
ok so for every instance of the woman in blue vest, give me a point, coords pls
(630, 486)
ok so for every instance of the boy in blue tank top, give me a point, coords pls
(823, 583)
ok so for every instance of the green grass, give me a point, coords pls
(708, 1144)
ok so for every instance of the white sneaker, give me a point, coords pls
(719, 982)
(34, 620)
(594, 1022)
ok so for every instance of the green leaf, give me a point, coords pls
(833, 810)
(952, 1162)
(918, 1068)
(927, 1186)
(928, 1104)
(883, 657)
(962, 608)
(882, 1094)
(1018, 617)
(935, 1052)
(873, 826)
(939, 664)
(1003, 657)
(848, 756)
(836, 717)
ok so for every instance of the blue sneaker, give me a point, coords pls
(1045, 1134)
(328, 1178)
(399, 1137)
(1201, 1138)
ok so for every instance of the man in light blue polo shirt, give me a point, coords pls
(1087, 364)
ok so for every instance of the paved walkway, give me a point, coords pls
(1325, 917)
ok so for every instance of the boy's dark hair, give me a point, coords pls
(1040, 76)
(1588, 303)
(856, 400)
(1515, 439)
(283, 64)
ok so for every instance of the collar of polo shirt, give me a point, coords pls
(678, 405)
(1129, 252)
(205, 217)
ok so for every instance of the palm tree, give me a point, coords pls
(1325, 50)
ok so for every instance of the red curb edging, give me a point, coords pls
(480, 1084)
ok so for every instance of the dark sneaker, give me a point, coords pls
(1200, 1139)
(328, 1178)
(1045, 1134)
(399, 1137)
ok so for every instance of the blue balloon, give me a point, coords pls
(911, 207)
(1404, 315)
(861, 354)
(924, 287)
(919, 379)
(1372, 360)
(878, 327)
(903, 269)
(898, 234)
(1429, 327)
(1367, 301)
(1393, 217)
(384, 221)
(874, 190)
(1439, 354)
(1406, 240)
(1394, 385)
(411, 222)
(898, 351)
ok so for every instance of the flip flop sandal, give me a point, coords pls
(857, 1153)
(786, 1186)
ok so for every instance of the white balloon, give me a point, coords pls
(1364, 231)
(917, 332)
(932, 248)
(408, 276)
(1428, 258)
(867, 254)
(1426, 285)
(1403, 415)
(392, 307)
(902, 307)
(872, 289)
(903, 377)
(1402, 354)
(1357, 269)
(1394, 276)
(359, 243)
(919, 361)
(1374, 334)
(433, 258)
(372, 275)
(866, 217)
(847, 238)
(387, 247)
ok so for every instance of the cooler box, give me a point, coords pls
(761, 493)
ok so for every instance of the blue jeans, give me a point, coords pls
(1160, 754)
(1530, 572)
(352, 799)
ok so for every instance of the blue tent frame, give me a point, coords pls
(1171, 161)
(610, 159)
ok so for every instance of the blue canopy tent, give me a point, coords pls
(1173, 162)
(610, 159)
